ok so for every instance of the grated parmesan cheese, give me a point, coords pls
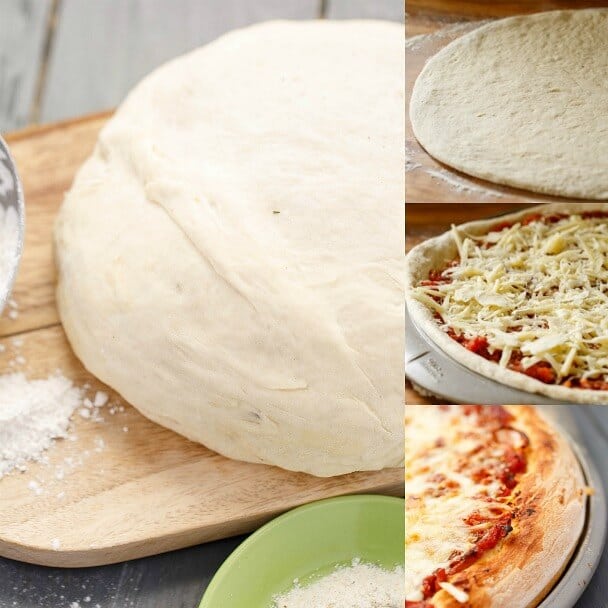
(356, 586)
(540, 288)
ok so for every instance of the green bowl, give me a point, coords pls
(307, 543)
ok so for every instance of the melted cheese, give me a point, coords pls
(458, 594)
(541, 288)
(435, 528)
(434, 533)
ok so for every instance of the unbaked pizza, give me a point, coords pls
(522, 298)
(495, 506)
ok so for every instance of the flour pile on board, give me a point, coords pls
(9, 239)
(32, 414)
(356, 586)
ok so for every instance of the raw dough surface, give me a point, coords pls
(522, 102)
(231, 256)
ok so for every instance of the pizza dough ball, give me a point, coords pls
(522, 102)
(231, 256)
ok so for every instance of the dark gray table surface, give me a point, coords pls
(178, 579)
(172, 580)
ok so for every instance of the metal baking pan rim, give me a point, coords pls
(485, 383)
(590, 547)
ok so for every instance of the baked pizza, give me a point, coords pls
(495, 505)
(522, 298)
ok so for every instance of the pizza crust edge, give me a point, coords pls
(539, 549)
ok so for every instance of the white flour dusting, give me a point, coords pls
(460, 183)
(9, 240)
(13, 309)
(356, 586)
(450, 31)
(32, 414)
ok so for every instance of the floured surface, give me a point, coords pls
(99, 497)
(428, 180)
(33, 413)
(484, 106)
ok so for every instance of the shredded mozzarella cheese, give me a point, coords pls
(539, 288)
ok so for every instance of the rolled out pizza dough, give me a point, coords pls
(231, 256)
(523, 102)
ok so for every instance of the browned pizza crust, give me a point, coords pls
(434, 253)
(551, 500)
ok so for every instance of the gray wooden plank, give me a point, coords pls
(23, 26)
(103, 48)
(600, 417)
(176, 579)
(365, 9)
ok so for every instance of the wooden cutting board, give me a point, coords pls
(125, 487)
(427, 180)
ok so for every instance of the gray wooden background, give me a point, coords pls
(65, 58)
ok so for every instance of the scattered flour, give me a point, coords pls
(13, 309)
(357, 586)
(100, 399)
(462, 184)
(32, 414)
(450, 31)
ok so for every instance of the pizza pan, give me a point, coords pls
(430, 369)
(589, 551)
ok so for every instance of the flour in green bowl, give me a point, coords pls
(356, 586)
